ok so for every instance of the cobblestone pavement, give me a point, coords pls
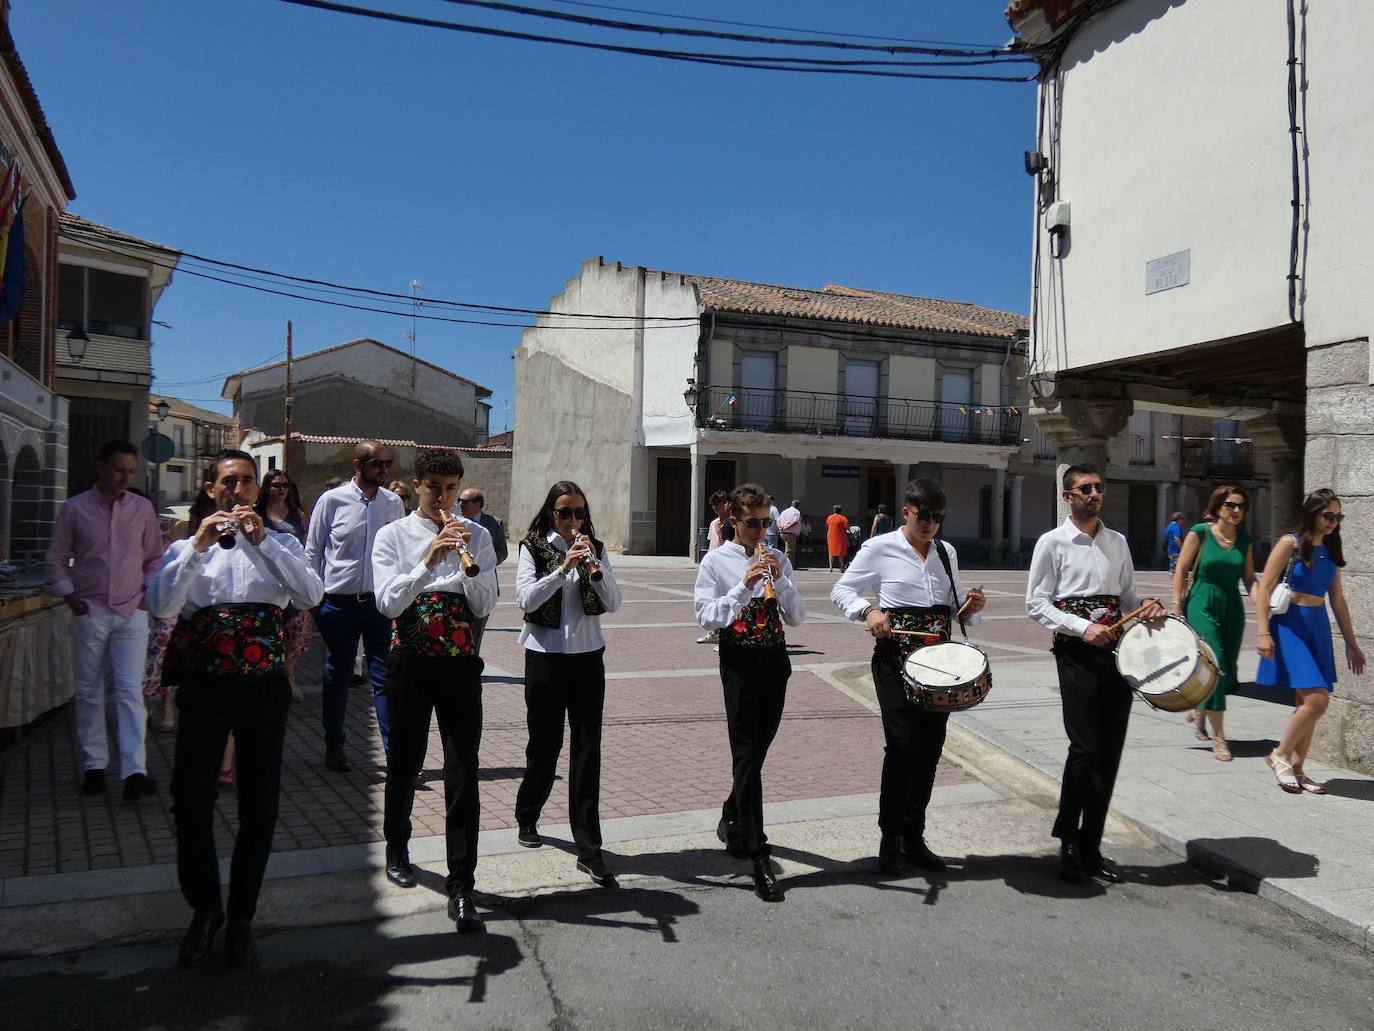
(664, 747)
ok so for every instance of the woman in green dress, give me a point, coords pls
(1219, 556)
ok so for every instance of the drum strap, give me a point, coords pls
(953, 587)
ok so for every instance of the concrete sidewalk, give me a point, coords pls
(1307, 853)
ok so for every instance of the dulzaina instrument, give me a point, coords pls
(593, 566)
(228, 531)
(1167, 664)
(465, 559)
(770, 593)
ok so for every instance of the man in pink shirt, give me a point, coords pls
(105, 549)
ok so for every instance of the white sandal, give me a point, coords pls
(1283, 772)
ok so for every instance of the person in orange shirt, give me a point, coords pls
(837, 537)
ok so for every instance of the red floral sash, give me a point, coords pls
(240, 639)
(934, 623)
(758, 626)
(435, 623)
(1096, 608)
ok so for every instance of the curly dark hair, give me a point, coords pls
(438, 461)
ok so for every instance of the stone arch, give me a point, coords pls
(28, 530)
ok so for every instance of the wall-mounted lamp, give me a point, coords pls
(1035, 162)
(76, 342)
(162, 409)
(692, 394)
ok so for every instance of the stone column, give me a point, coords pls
(1282, 438)
(1014, 531)
(1080, 429)
(999, 493)
(698, 500)
(1162, 513)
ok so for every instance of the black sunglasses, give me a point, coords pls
(469, 501)
(1088, 489)
(380, 463)
(1333, 517)
(756, 523)
(925, 515)
(1236, 506)
(570, 513)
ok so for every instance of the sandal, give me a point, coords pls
(1199, 724)
(1309, 785)
(1283, 772)
(1221, 750)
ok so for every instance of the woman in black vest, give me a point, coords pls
(564, 583)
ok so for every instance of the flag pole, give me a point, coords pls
(286, 435)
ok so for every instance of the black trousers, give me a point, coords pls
(1097, 709)
(913, 740)
(559, 686)
(451, 689)
(254, 708)
(755, 683)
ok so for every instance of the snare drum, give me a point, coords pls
(946, 677)
(1167, 664)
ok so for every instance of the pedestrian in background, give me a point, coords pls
(1295, 645)
(882, 522)
(837, 538)
(789, 525)
(565, 668)
(772, 536)
(472, 505)
(279, 504)
(1173, 540)
(338, 548)
(106, 547)
(399, 488)
(721, 529)
(159, 633)
(1219, 556)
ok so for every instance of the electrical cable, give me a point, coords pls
(803, 65)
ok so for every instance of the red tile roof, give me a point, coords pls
(10, 54)
(856, 305)
(314, 438)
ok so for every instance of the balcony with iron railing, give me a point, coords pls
(812, 413)
(1219, 459)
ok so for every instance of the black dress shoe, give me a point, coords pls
(195, 943)
(138, 785)
(238, 944)
(598, 871)
(335, 759)
(765, 884)
(918, 854)
(890, 858)
(93, 783)
(1071, 864)
(1105, 870)
(398, 869)
(464, 914)
(725, 831)
(529, 836)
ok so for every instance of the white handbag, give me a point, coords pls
(1282, 595)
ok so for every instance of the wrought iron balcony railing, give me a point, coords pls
(810, 412)
(1219, 459)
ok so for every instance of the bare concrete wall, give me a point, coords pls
(340, 407)
(1340, 455)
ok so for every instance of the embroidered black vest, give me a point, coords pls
(546, 559)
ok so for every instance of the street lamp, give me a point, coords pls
(76, 342)
(162, 409)
(692, 394)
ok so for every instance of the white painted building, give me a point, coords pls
(687, 384)
(1204, 245)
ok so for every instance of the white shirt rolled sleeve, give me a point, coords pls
(399, 572)
(1068, 563)
(898, 577)
(720, 594)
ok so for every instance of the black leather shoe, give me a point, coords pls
(529, 836)
(918, 854)
(725, 832)
(335, 759)
(138, 785)
(598, 871)
(890, 859)
(398, 869)
(464, 914)
(196, 942)
(765, 884)
(1071, 864)
(1105, 870)
(93, 783)
(238, 944)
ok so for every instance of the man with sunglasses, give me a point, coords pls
(731, 597)
(916, 581)
(1081, 579)
(338, 548)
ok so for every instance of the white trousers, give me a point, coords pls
(102, 640)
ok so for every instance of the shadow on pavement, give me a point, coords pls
(598, 907)
(1247, 861)
(1348, 787)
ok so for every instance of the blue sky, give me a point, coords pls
(372, 154)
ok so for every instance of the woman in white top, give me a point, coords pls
(229, 583)
(564, 583)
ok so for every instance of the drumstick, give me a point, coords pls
(968, 601)
(1132, 615)
(912, 633)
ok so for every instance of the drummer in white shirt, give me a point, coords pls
(1081, 578)
(229, 583)
(730, 597)
(916, 590)
(422, 586)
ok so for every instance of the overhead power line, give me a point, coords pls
(814, 66)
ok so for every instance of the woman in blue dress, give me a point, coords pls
(1295, 647)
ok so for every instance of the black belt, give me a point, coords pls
(356, 598)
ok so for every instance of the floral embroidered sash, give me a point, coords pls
(1097, 608)
(241, 639)
(931, 626)
(435, 623)
(758, 626)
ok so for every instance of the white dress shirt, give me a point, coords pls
(789, 521)
(343, 526)
(399, 572)
(1069, 564)
(579, 632)
(271, 573)
(899, 578)
(720, 595)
